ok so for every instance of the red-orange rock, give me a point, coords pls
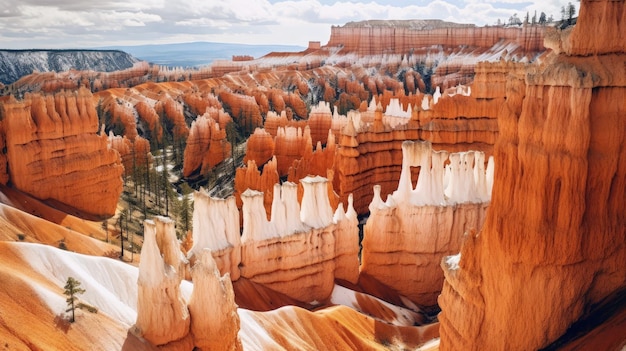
(173, 111)
(54, 153)
(553, 241)
(290, 144)
(206, 146)
(147, 114)
(243, 109)
(260, 147)
(320, 121)
(250, 177)
(139, 149)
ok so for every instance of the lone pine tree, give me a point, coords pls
(72, 288)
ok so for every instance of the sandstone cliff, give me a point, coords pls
(298, 252)
(54, 153)
(409, 233)
(553, 241)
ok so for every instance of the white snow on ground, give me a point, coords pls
(252, 334)
(109, 285)
(346, 297)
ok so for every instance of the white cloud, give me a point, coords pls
(70, 23)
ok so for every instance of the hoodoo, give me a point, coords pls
(406, 236)
(553, 243)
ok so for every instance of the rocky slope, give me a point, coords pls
(553, 243)
(15, 64)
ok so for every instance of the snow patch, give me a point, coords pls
(453, 261)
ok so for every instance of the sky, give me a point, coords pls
(55, 24)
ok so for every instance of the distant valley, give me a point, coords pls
(198, 53)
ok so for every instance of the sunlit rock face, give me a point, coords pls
(406, 236)
(162, 314)
(294, 253)
(250, 177)
(216, 228)
(214, 318)
(53, 152)
(206, 146)
(299, 251)
(553, 241)
(260, 147)
(425, 39)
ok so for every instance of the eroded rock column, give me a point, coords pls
(553, 244)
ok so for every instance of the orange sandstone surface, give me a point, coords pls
(53, 152)
(553, 243)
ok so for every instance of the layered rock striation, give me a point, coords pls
(299, 251)
(53, 152)
(552, 245)
(408, 234)
(374, 37)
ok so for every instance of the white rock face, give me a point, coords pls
(464, 179)
(395, 109)
(408, 234)
(162, 315)
(215, 222)
(316, 211)
(256, 227)
(300, 251)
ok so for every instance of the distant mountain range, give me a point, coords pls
(198, 53)
(15, 64)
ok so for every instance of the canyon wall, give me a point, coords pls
(408, 234)
(370, 38)
(553, 243)
(369, 150)
(54, 153)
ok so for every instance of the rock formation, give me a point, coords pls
(162, 314)
(276, 248)
(214, 319)
(54, 153)
(133, 154)
(408, 234)
(552, 245)
(206, 146)
(216, 228)
(250, 177)
(260, 147)
(299, 251)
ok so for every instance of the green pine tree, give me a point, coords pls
(72, 288)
